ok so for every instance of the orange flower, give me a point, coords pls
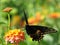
(39, 17)
(8, 9)
(22, 23)
(31, 20)
(54, 15)
(35, 20)
(14, 36)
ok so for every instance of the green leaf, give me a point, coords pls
(22, 43)
(2, 23)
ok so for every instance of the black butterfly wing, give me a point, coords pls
(46, 30)
(37, 32)
(31, 29)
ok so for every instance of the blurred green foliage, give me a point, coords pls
(45, 7)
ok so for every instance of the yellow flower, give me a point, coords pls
(14, 36)
(15, 20)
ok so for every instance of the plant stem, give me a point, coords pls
(38, 42)
(8, 21)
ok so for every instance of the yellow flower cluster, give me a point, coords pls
(14, 36)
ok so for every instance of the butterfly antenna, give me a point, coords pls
(25, 15)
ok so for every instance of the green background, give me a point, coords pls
(32, 6)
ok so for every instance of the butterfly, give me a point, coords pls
(37, 32)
